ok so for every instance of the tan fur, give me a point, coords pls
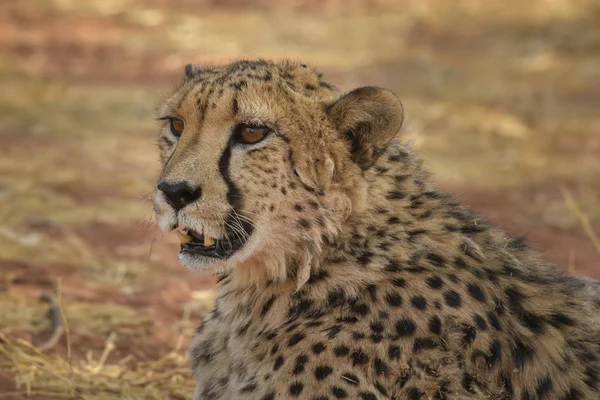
(359, 280)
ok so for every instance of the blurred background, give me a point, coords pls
(502, 100)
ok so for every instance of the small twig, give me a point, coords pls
(108, 347)
(571, 266)
(54, 314)
(66, 327)
(583, 218)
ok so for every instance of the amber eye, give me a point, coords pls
(176, 126)
(252, 134)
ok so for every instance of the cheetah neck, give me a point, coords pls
(402, 224)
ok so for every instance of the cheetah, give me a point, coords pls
(343, 273)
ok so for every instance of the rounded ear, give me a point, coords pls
(368, 118)
(191, 71)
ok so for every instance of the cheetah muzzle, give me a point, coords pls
(344, 273)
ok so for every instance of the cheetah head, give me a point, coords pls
(262, 163)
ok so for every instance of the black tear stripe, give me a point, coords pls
(234, 196)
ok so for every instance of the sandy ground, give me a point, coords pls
(502, 102)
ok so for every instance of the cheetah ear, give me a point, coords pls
(368, 118)
(192, 70)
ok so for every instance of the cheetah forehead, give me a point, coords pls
(266, 78)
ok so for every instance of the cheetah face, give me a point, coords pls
(263, 160)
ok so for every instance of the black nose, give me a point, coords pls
(179, 194)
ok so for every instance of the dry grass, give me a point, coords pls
(36, 373)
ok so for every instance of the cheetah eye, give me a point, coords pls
(251, 134)
(176, 126)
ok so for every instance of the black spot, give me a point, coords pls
(381, 368)
(592, 377)
(376, 326)
(359, 308)
(495, 354)
(347, 319)
(476, 292)
(393, 352)
(249, 388)
(451, 228)
(493, 320)
(296, 338)
(522, 353)
(235, 107)
(267, 306)
(296, 388)
(573, 394)
(405, 327)
(435, 325)
(436, 259)
(341, 351)
(414, 394)
(299, 366)
(364, 258)
(452, 299)
(318, 348)
(359, 357)
(480, 322)
(517, 243)
(434, 282)
(298, 207)
(322, 372)
(242, 331)
(358, 336)
(392, 266)
(469, 334)
(372, 289)
(335, 297)
(274, 349)
(393, 299)
(399, 282)
(278, 363)
(369, 395)
(313, 204)
(333, 331)
(376, 338)
(419, 302)
(393, 220)
(270, 335)
(515, 299)
(416, 232)
(396, 195)
(318, 276)
(558, 319)
(473, 227)
(270, 396)
(423, 344)
(304, 223)
(534, 322)
(543, 388)
(397, 157)
(467, 382)
(339, 393)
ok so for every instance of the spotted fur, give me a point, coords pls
(358, 278)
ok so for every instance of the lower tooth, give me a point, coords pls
(183, 238)
(208, 241)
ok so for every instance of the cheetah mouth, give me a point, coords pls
(197, 244)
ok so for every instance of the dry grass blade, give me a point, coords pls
(583, 218)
